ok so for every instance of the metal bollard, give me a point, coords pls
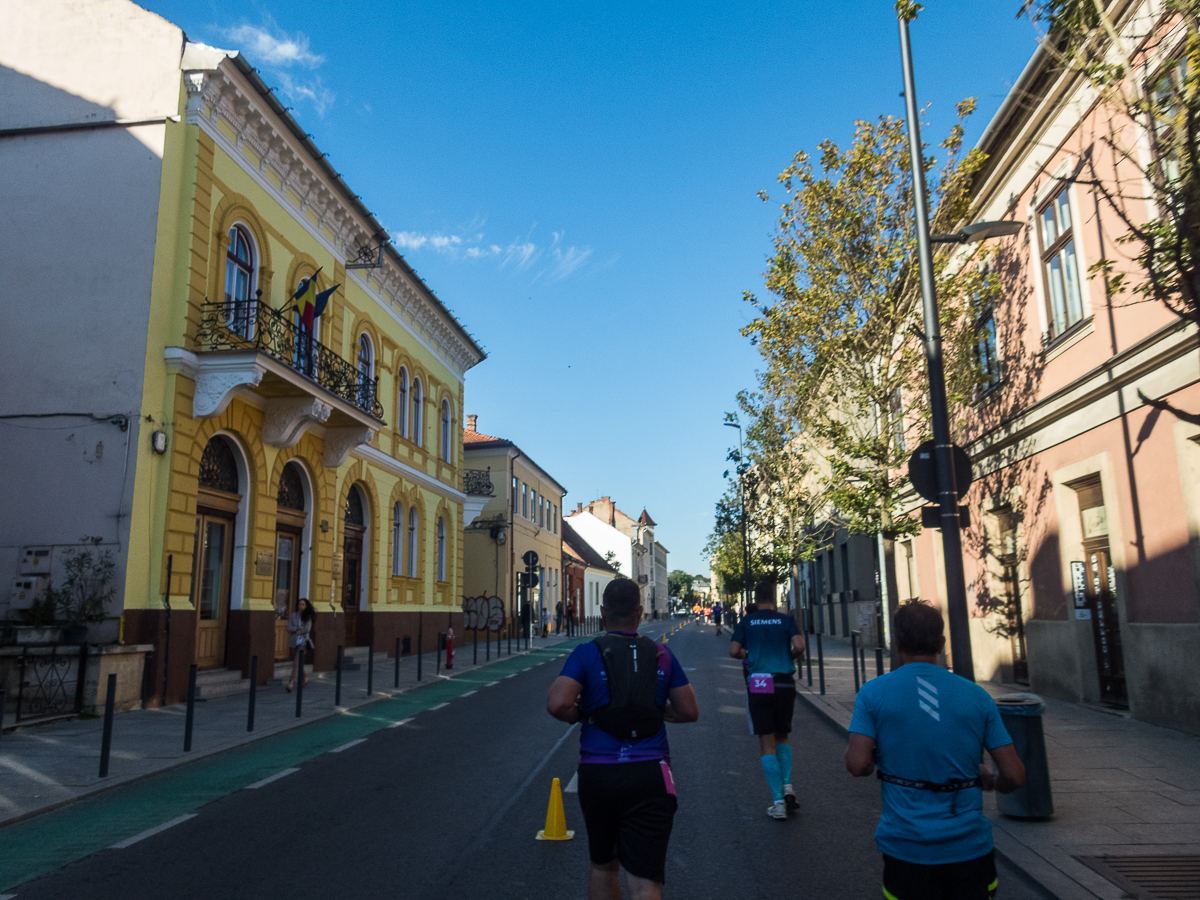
(191, 709)
(371, 669)
(821, 663)
(878, 661)
(808, 661)
(2, 695)
(106, 736)
(420, 637)
(437, 657)
(337, 678)
(487, 646)
(475, 649)
(253, 694)
(300, 681)
(854, 656)
(397, 662)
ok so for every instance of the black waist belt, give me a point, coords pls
(944, 787)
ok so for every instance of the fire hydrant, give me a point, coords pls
(450, 648)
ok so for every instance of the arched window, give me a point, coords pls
(446, 430)
(366, 368)
(218, 468)
(441, 549)
(402, 405)
(416, 412)
(354, 508)
(412, 542)
(397, 539)
(291, 489)
(239, 281)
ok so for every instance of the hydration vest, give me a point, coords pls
(631, 664)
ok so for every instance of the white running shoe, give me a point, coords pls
(777, 810)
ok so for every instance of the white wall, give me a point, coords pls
(604, 538)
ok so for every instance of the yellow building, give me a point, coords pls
(523, 514)
(268, 461)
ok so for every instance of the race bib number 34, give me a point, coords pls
(762, 684)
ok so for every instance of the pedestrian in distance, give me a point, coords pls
(571, 618)
(558, 617)
(770, 642)
(716, 614)
(299, 629)
(922, 730)
(626, 790)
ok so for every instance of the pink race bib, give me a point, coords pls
(762, 684)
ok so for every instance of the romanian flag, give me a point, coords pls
(323, 300)
(305, 300)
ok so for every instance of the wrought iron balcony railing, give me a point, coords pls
(478, 482)
(253, 325)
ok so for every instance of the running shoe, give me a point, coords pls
(789, 798)
(777, 810)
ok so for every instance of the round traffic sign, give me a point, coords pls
(922, 471)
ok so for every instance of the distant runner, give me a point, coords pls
(716, 614)
(770, 641)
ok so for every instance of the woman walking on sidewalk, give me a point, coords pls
(299, 627)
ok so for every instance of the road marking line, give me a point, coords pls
(491, 684)
(513, 675)
(348, 746)
(8, 897)
(401, 722)
(439, 706)
(572, 785)
(129, 842)
(467, 694)
(269, 779)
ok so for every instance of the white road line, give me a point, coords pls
(491, 684)
(572, 785)
(401, 722)
(269, 779)
(467, 694)
(8, 897)
(513, 675)
(348, 746)
(129, 842)
(439, 706)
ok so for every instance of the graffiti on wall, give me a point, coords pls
(483, 613)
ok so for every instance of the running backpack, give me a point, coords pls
(631, 664)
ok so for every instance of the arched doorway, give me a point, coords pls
(217, 500)
(354, 528)
(290, 520)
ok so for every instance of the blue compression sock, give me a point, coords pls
(770, 766)
(783, 754)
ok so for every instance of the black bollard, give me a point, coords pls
(371, 669)
(191, 709)
(821, 663)
(300, 682)
(106, 737)
(337, 678)
(419, 639)
(475, 648)
(437, 657)
(397, 662)
(808, 661)
(878, 661)
(854, 657)
(253, 694)
(487, 645)
(1, 712)
(862, 663)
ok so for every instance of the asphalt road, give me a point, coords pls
(447, 805)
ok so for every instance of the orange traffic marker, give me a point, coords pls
(556, 819)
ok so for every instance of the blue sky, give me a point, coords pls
(578, 184)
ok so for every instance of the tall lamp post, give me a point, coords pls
(956, 587)
(745, 543)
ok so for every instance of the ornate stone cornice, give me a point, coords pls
(264, 144)
(340, 441)
(284, 420)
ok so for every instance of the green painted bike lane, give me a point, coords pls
(45, 843)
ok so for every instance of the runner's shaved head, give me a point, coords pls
(764, 594)
(622, 597)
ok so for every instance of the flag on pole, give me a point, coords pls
(305, 298)
(323, 300)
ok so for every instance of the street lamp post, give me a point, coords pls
(745, 543)
(956, 587)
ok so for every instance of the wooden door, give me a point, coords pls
(211, 567)
(1106, 625)
(287, 586)
(351, 581)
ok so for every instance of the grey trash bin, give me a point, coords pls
(1022, 716)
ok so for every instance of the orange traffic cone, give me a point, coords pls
(556, 819)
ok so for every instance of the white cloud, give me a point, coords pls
(314, 92)
(274, 49)
(521, 254)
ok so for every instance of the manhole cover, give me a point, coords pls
(1150, 877)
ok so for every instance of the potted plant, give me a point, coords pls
(40, 623)
(84, 594)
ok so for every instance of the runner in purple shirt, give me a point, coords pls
(626, 790)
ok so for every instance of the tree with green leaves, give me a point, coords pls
(1145, 68)
(679, 585)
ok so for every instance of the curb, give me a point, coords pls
(196, 756)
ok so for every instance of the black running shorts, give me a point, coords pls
(628, 813)
(974, 879)
(772, 713)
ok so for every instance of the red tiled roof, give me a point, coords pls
(477, 437)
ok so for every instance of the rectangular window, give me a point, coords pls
(542, 512)
(533, 506)
(514, 492)
(1060, 266)
(524, 500)
(556, 518)
(897, 415)
(986, 353)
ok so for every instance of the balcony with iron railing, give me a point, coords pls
(247, 346)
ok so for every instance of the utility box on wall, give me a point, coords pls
(35, 560)
(26, 590)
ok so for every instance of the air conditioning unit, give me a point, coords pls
(26, 590)
(35, 560)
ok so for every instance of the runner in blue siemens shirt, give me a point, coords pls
(626, 789)
(926, 729)
(770, 641)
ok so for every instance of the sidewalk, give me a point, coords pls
(1121, 787)
(46, 766)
